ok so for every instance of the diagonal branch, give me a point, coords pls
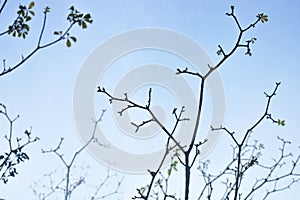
(68, 189)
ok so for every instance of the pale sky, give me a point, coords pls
(41, 91)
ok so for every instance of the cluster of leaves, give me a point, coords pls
(9, 161)
(15, 155)
(262, 17)
(20, 27)
(75, 17)
(281, 122)
(81, 19)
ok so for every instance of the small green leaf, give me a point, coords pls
(258, 154)
(72, 8)
(175, 165)
(261, 146)
(73, 38)
(143, 189)
(84, 25)
(280, 122)
(31, 5)
(26, 27)
(87, 16)
(264, 18)
(169, 172)
(68, 43)
(28, 18)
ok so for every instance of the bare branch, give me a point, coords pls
(186, 71)
(70, 187)
(132, 104)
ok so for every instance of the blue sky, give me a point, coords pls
(41, 91)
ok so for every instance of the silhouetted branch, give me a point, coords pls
(238, 43)
(15, 154)
(66, 184)
(98, 195)
(225, 55)
(131, 104)
(189, 161)
(186, 71)
(246, 156)
(145, 192)
(272, 178)
(20, 28)
(240, 166)
(159, 181)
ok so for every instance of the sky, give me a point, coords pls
(41, 91)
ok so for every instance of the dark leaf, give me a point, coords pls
(84, 25)
(68, 43)
(73, 38)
